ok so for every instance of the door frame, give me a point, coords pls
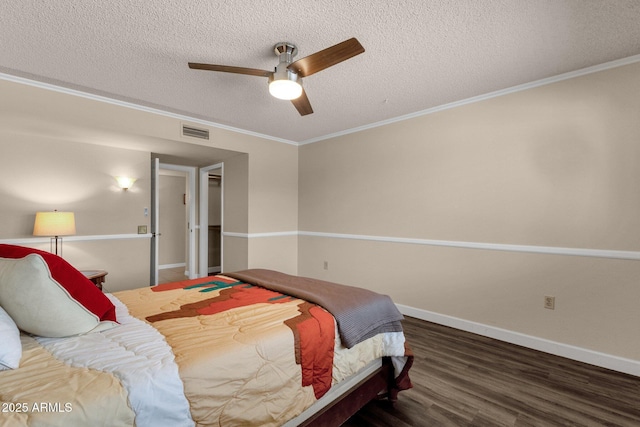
(154, 225)
(191, 217)
(203, 261)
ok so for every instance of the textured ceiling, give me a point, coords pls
(419, 53)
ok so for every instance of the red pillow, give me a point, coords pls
(79, 287)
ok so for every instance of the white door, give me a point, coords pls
(155, 208)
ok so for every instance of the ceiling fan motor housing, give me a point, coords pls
(285, 51)
(283, 73)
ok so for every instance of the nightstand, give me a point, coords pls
(96, 276)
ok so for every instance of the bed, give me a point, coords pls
(255, 347)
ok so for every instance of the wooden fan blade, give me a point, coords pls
(230, 69)
(302, 104)
(326, 58)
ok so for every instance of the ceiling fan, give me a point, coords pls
(285, 82)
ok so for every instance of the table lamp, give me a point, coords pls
(55, 224)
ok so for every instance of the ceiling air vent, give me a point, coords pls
(192, 132)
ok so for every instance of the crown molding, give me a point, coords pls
(138, 107)
(519, 88)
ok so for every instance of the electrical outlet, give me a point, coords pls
(550, 302)
(326, 265)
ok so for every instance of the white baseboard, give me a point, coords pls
(608, 361)
(166, 266)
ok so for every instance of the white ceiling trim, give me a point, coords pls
(107, 100)
(479, 98)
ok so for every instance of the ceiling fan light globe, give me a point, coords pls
(285, 89)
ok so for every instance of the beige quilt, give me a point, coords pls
(46, 392)
(236, 349)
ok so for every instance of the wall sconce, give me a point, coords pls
(55, 224)
(125, 182)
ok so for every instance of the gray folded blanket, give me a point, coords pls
(359, 313)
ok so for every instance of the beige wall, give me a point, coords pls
(236, 194)
(215, 193)
(553, 166)
(273, 178)
(43, 174)
(173, 220)
(271, 252)
(236, 213)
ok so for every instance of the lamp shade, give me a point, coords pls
(54, 224)
(125, 182)
(285, 84)
(285, 89)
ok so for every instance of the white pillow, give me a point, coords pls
(40, 305)
(11, 348)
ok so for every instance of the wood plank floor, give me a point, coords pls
(167, 275)
(462, 379)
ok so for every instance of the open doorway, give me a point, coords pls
(211, 219)
(173, 246)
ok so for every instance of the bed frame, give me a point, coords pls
(374, 382)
